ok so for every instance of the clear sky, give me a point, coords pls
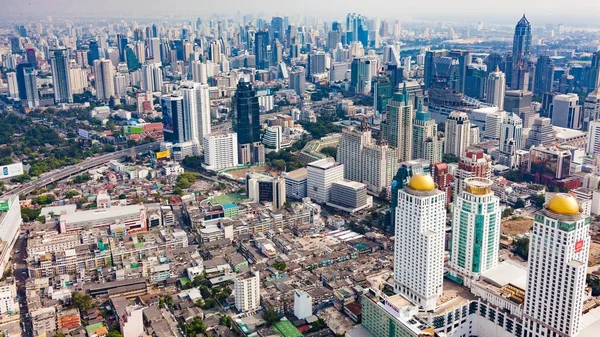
(457, 10)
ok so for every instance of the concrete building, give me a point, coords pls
(551, 162)
(103, 74)
(541, 132)
(419, 246)
(129, 316)
(558, 259)
(458, 137)
(10, 223)
(397, 128)
(247, 291)
(472, 164)
(495, 88)
(493, 125)
(591, 108)
(349, 196)
(593, 138)
(350, 151)
(134, 218)
(296, 183)
(380, 164)
(565, 111)
(321, 174)
(476, 234)
(220, 151)
(196, 111)
(264, 188)
(8, 297)
(272, 138)
(512, 129)
(426, 142)
(303, 304)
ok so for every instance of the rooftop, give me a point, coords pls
(324, 163)
(296, 174)
(98, 214)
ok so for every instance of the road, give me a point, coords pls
(20, 274)
(65, 172)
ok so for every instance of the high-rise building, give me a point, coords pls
(321, 174)
(298, 80)
(397, 129)
(334, 37)
(296, 183)
(521, 40)
(276, 52)
(558, 258)
(317, 62)
(591, 108)
(277, 31)
(476, 231)
(199, 72)
(512, 131)
(426, 142)
(31, 57)
(247, 113)
(493, 125)
(549, 162)
(220, 151)
(593, 144)
(152, 77)
(303, 304)
(261, 44)
(419, 246)
(59, 61)
(544, 74)
(458, 138)
(31, 91)
(476, 80)
(446, 69)
(541, 132)
(361, 75)
(13, 85)
(140, 51)
(154, 49)
(122, 46)
(565, 111)
(94, 52)
(173, 119)
(443, 179)
(264, 188)
(21, 78)
(196, 110)
(350, 151)
(380, 163)
(496, 86)
(103, 74)
(472, 164)
(247, 291)
(215, 52)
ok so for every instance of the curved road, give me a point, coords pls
(50, 177)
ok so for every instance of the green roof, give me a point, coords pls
(184, 281)
(287, 329)
(94, 327)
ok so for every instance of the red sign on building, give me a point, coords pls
(578, 246)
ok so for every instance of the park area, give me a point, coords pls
(287, 329)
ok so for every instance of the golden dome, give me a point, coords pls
(563, 203)
(421, 182)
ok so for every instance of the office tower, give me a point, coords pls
(349, 196)
(94, 52)
(196, 110)
(296, 183)
(511, 132)
(558, 258)
(446, 69)
(276, 52)
(290, 33)
(565, 111)
(493, 125)
(121, 83)
(419, 246)
(593, 139)
(544, 74)
(397, 129)
(78, 78)
(475, 80)
(476, 232)
(21, 79)
(382, 93)
(103, 74)
(81, 58)
(276, 30)
(266, 188)
(13, 85)
(31, 57)
(173, 119)
(261, 44)
(273, 137)
(350, 150)
(496, 86)
(354, 27)
(132, 61)
(334, 37)
(380, 163)
(361, 75)
(15, 45)
(458, 127)
(215, 52)
(247, 291)
(31, 91)
(521, 41)
(549, 162)
(122, 45)
(199, 72)
(298, 80)
(140, 51)
(317, 62)
(220, 151)
(247, 119)
(391, 56)
(472, 164)
(591, 108)
(154, 49)
(541, 132)
(517, 101)
(152, 78)
(321, 174)
(59, 61)
(426, 142)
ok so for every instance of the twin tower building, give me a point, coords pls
(558, 252)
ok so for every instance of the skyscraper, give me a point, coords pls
(397, 129)
(276, 52)
(591, 108)
(511, 132)
(565, 111)
(350, 151)
(496, 86)
(419, 246)
(247, 114)
(122, 45)
(521, 41)
(277, 31)
(476, 80)
(541, 132)
(247, 291)
(261, 43)
(59, 61)
(31, 91)
(426, 143)
(196, 110)
(173, 119)
(458, 127)
(472, 164)
(215, 52)
(317, 62)
(544, 74)
(475, 232)
(593, 141)
(103, 74)
(298, 80)
(380, 163)
(558, 258)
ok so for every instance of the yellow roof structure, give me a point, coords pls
(421, 182)
(564, 204)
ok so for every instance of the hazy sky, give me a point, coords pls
(457, 10)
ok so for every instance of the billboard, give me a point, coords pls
(4, 205)
(133, 129)
(83, 133)
(163, 154)
(12, 170)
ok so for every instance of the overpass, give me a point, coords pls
(65, 172)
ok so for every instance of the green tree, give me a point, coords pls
(271, 317)
(521, 247)
(539, 201)
(82, 302)
(450, 158)
(226, 321)
(519, 204)
(329, 151)
(114, 334)
(280, 265)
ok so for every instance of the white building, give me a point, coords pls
(419, 247)
(458, 137)
(272, 138)
(247, 291)
(350, 150)
(220, 151)
(593, 144)
(303, 306)
(8, 296)
(565, 111)
(296, 183)
(103, 74)
(558, 258)
(380, 164)
(512, 129)
(266, 103)
(591, 108)
(320, 175)
(493, 125)
(13, 87)
(495, 89)
(426, 143)
(196, 110)
(476, 231)
(10, 223)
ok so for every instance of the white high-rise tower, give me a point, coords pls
(103, 73)
(458, 137)
(475, 231)
(419, 251)
(350, 151)
(196, 110)
(558, 258)
(495, 88)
